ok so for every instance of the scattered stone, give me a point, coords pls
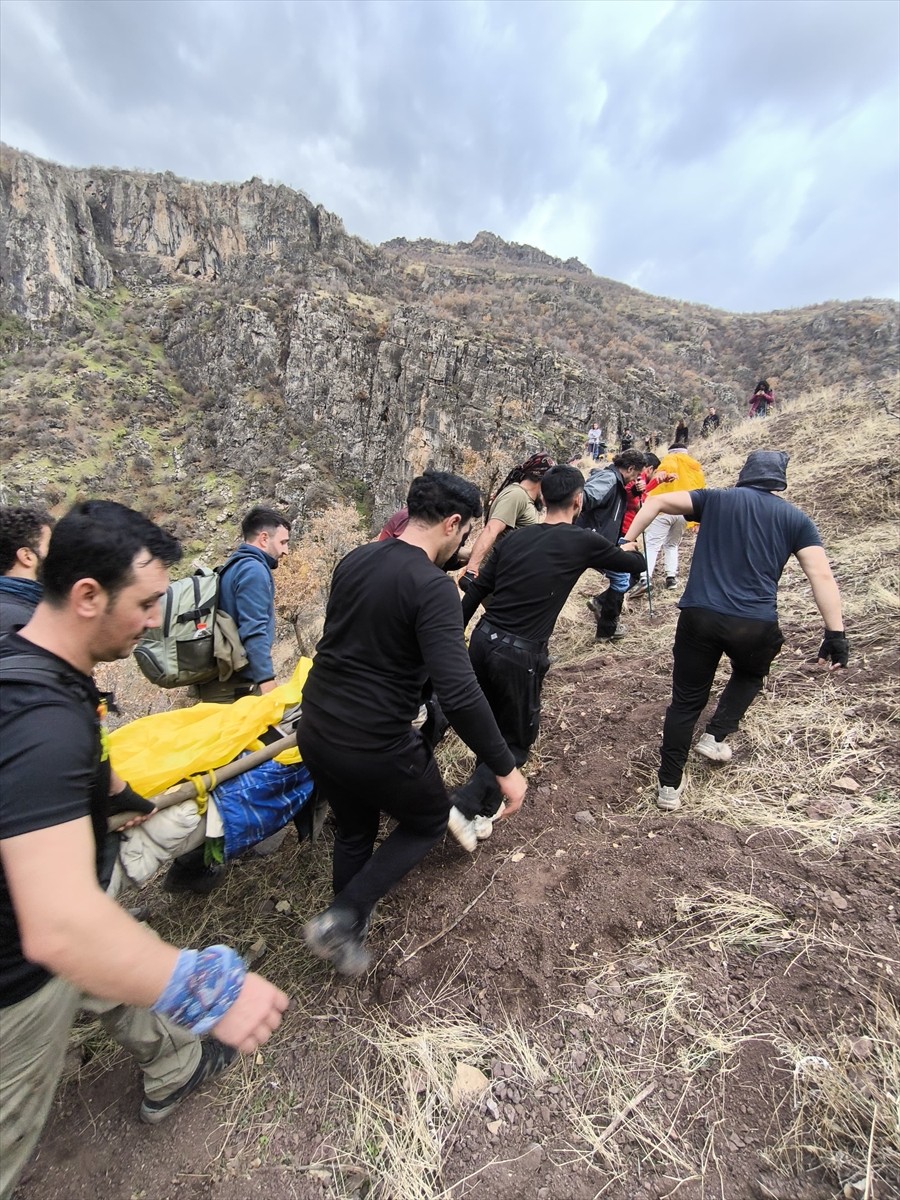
(861, 1047)
(494, 1127)
(517, 857)
(837, 900)
(846, 784)
(585, 1010)
(619, 1016)
(468, 1084)
(585, 818)
(283, 906)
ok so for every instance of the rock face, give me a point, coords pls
(67, 229)
(291, 359)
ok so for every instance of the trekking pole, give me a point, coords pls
(649, 596)
(199, 785)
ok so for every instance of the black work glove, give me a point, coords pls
(128, 801)
(835, 648)
(466, 581)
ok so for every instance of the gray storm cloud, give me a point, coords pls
(739, 154)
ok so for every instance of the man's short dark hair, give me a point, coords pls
(20, 528)
(651, 461)
(437, 495)
(628, 460)
(99, 539)
(258, 519)
(560, 484)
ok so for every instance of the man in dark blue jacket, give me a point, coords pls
(24, 538)
(247, 593)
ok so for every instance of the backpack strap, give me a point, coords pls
(34, 668)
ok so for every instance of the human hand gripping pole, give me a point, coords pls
(513, 786)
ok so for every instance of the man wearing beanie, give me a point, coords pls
(747, 534)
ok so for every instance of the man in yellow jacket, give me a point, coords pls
(666, 530)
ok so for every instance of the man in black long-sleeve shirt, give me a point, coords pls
(393, 622)
(530, 575)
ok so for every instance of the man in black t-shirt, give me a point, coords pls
(393, 621)
(529, 578)
(747, 534)
(61, 935)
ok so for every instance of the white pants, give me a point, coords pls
(664, 533)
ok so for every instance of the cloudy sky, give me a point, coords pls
(741, 153)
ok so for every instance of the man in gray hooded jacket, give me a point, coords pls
(747, 534)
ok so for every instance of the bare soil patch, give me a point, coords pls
(694, 1005)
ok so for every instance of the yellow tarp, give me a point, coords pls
(156, 752)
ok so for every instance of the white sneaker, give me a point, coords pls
(669, 798)
(707, 745)
(484, 826)
(463, 829)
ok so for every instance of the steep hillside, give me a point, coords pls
(208, 345)
(696, 1005)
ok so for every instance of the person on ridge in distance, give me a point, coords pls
(747, 534)
(711, 422)
(512, 507)
(393, 621)
(762, 399)
(594, 441)
(529, 576)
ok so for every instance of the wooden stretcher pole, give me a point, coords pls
(210, 779)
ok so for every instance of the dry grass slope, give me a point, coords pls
(355, 1097)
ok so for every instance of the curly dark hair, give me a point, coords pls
(437, 495)
(20, 528)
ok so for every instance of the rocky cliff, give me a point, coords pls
(229, 342)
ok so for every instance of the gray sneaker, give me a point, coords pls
(718, 752)
(669, 798)
(334, 935)
(215, 1057)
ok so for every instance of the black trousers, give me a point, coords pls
(511, 677)
(701, 638)
(359, 786)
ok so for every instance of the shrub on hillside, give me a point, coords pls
(303, 579)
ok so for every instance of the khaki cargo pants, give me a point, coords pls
(34, 1035)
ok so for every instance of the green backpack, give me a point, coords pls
(195, 641)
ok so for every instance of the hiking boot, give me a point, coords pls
(594, 605)
(669, 798)
(671, 582)
(718, 752)
(335, 936)
(214, 1058)
(189, 878)
(463, 829)
(641, 588)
